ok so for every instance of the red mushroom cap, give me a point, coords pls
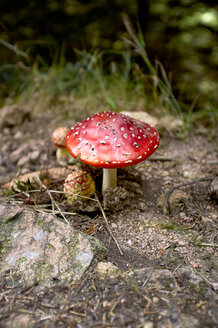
(58, 136)
(112, 140)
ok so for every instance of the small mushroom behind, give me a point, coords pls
(111, 140)
(79, 184)
(58, 140)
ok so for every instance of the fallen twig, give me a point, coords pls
(108, 227)
(167, 205)
(54, 212)
(52, 200)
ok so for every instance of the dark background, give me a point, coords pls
(181, 34)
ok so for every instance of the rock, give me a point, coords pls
(188, 272)
(142, 116)
(159, 279)
(147, 324)
(20, 321)
(23, 160)
(183, 321)
(13, 115)
(107, 269)
(39, 248)
(175, 198)
(170, 123)
(18, 153)
(214, 188)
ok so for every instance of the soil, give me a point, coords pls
(163, 217)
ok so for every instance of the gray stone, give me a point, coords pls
(160, 279)
(39, 248)
(214, 188)
(13, 115)
(189, 273)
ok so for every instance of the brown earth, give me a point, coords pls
(162, 215)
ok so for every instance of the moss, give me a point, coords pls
(97, 245)
(44, 271)
(49, 246)
(44, 225)
(21, 260)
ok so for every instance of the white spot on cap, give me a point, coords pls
(76, 133)
(97, 124)
(107, 137)
(122, 128)
(103, 142)
(84, 132)
(144, 136)
(79, 139)
(114, 119)
(115, 139)
(129, 161)
(114, 162)
(136, 144)
(139, 157)
(131, 128)
(125, 135)
(118, 145)
(126, 154)
(155, 146)
(133, 135)
(139, 137)
(68, 137)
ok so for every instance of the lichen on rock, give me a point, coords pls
(41, 248)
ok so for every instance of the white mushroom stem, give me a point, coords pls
(62, 153)
(109, 179)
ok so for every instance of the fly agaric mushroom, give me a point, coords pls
(58, 140)
(78, 183)
(111, 140)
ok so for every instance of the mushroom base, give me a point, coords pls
(109, 179)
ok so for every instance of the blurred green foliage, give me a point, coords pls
(181, 34)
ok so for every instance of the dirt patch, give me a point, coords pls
(178, 236)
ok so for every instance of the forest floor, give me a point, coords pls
(162, 215)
